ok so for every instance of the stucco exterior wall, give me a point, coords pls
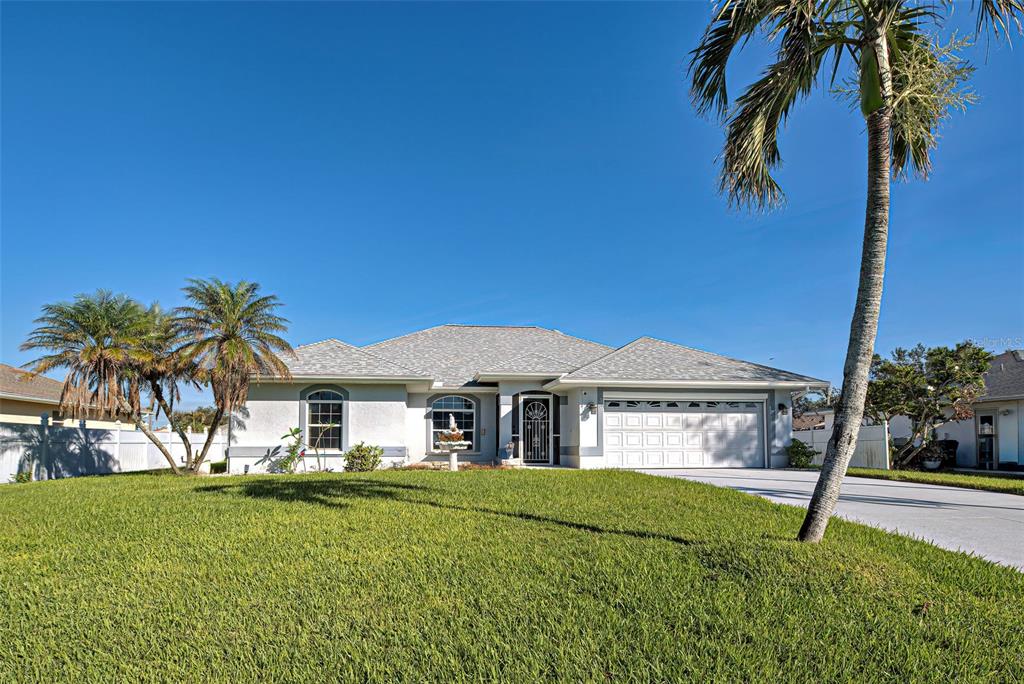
(417, 426)
(374, 414)
(30, 413)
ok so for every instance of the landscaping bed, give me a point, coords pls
(483, 575)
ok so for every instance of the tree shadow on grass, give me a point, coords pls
(333, 493)
(339, 492)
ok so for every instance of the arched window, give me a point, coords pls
(323, 419)
(464, 411)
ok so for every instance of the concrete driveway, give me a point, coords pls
(986, 523)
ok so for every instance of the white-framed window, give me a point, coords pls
(323, 419)
(464, 411)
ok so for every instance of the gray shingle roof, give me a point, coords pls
(454, 354)
(16, 382)
(334, 358)
(532, 363)
(1005, 378)
(648, 359)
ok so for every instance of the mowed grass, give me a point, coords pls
(485, 575)
(1005, 484)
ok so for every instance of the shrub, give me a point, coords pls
(801, 455)
(22, 477)
(363, 458)
(218, 467)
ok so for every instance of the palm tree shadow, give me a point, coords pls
(58, 452)
(330, 492)
(339, 493)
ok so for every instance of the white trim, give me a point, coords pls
(498, 377)
(340, 378)
(462, 389)
(685, 396)
(683, 384)
(21, 397)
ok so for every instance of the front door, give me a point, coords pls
(987, 442)
(536, 429)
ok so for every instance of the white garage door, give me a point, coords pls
(684, 434)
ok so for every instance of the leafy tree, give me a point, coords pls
(905, 83)
(929, 386)
(198, 419)
(813, 402)
(229, 333)
(100, 339)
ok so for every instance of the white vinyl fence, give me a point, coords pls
(872, 445)
(53, 452)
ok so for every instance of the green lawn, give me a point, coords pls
(485, 575)
(1007, 484)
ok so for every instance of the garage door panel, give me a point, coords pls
(612, 420)
(633, 459)
(673, 421)
(654, 439)
(674, 458)
(674, 439)
(613, 439)
(632, 420)
(634, 439)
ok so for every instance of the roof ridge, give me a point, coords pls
(692, 349)
(398, 337)
(610, 353)
(575, 337)
(325, 341)
(721, 356)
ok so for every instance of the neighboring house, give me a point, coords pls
(556, 399)
(994, 438)
(25, 398)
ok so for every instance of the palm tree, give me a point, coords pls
(98, 339)
(905, 82)
(162, 369)
(229, 333)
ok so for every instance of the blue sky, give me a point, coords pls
(383, 168)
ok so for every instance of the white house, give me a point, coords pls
(994, 438)
(555, 399)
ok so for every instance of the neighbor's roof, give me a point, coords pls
(454, 354)
(1005, 377)
(334, 358)
(16, 383)
(648, 359)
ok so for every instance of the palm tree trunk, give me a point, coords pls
(217, 417)
(146, 430)
(158, 394)
(864, 328)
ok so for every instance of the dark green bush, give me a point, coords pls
(801, 455)
(218, 467)
(363, 458)
(22, 476)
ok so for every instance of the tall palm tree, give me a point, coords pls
(98, 339)
(162, 369)
(906, 83)
(230, 333)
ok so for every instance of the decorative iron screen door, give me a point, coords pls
(536, 431)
